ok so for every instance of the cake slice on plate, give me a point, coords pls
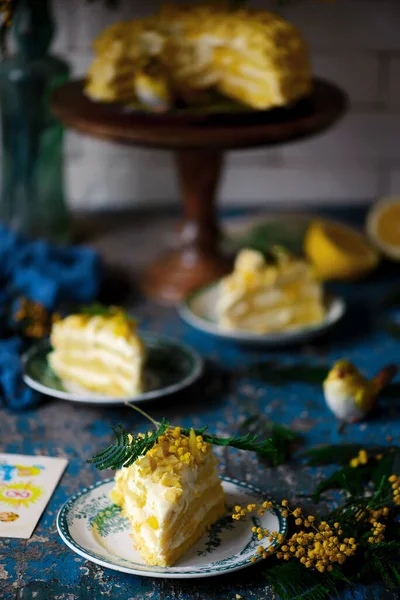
(102, 353)
(171, 495)
(269, 295)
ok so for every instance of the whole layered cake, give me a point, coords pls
(171, 495)
(190, 54)
(269, 294)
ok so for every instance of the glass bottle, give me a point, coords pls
(32, 191)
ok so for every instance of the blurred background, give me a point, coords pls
(355, 43)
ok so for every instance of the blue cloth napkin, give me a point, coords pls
(45, 273)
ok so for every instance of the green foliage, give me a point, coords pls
(373, 563)
(96, 309)
(381, 562)
(263, 235)
(339, 454)
(246, 442)
(367, 488)
(292, 581)
(355, 480)
(274, 374)
(283, 440)
(126, 450)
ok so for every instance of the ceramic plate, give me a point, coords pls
(94, 528)
(170, 367)
(199, 311)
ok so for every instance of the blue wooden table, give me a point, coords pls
(237, 382)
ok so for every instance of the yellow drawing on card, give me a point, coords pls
(20, 494)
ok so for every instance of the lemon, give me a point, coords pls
(383, 226)
(338, 251)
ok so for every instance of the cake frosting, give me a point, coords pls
(102, 353)
(267, 296)
(171, 495)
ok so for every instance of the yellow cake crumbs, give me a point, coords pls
(170, 453)
(115, 320)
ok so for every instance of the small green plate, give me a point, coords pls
(94, 528)
(170, 367)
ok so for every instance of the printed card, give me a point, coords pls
(26, 485)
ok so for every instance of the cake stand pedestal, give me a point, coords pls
(198, 141)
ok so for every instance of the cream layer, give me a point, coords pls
(275, 320)
(130, 483)
(239, 302)
(93, 379)
(103, 356)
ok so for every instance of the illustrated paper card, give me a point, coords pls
(26, 485)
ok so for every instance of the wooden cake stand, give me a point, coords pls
(198, 141)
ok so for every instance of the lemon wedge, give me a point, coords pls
(338, 251)
(383, 226)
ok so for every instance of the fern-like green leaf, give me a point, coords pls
(125, 451)
(96, 309)
(292, 581)
(246, 442)
(336, 454)
(283, 439)
(354, 480)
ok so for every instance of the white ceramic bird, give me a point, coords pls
(349, 394)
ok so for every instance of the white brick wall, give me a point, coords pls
(355, 43)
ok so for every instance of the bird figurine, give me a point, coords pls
(349, 394)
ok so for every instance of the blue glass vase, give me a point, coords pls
(32, 190)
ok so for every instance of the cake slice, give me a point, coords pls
(102, 353)
(268, 296)
(171, 495)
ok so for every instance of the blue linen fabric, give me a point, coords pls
(45, 273)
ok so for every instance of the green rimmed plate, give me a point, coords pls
(94, 528)
(170, 367)
(198, 310)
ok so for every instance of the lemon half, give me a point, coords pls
(383, 226)
(338, 251)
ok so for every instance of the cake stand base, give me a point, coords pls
(197, 261)
(172, 277)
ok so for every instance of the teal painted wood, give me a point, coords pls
(32, 192)
(237, 381)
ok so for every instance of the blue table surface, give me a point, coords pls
(237, 382)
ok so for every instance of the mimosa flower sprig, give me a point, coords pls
(128, 448)
(358, 541)
(31, 319)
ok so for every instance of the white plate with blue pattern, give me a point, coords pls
(93, 528)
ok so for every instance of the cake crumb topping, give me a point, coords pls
(172, 451)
